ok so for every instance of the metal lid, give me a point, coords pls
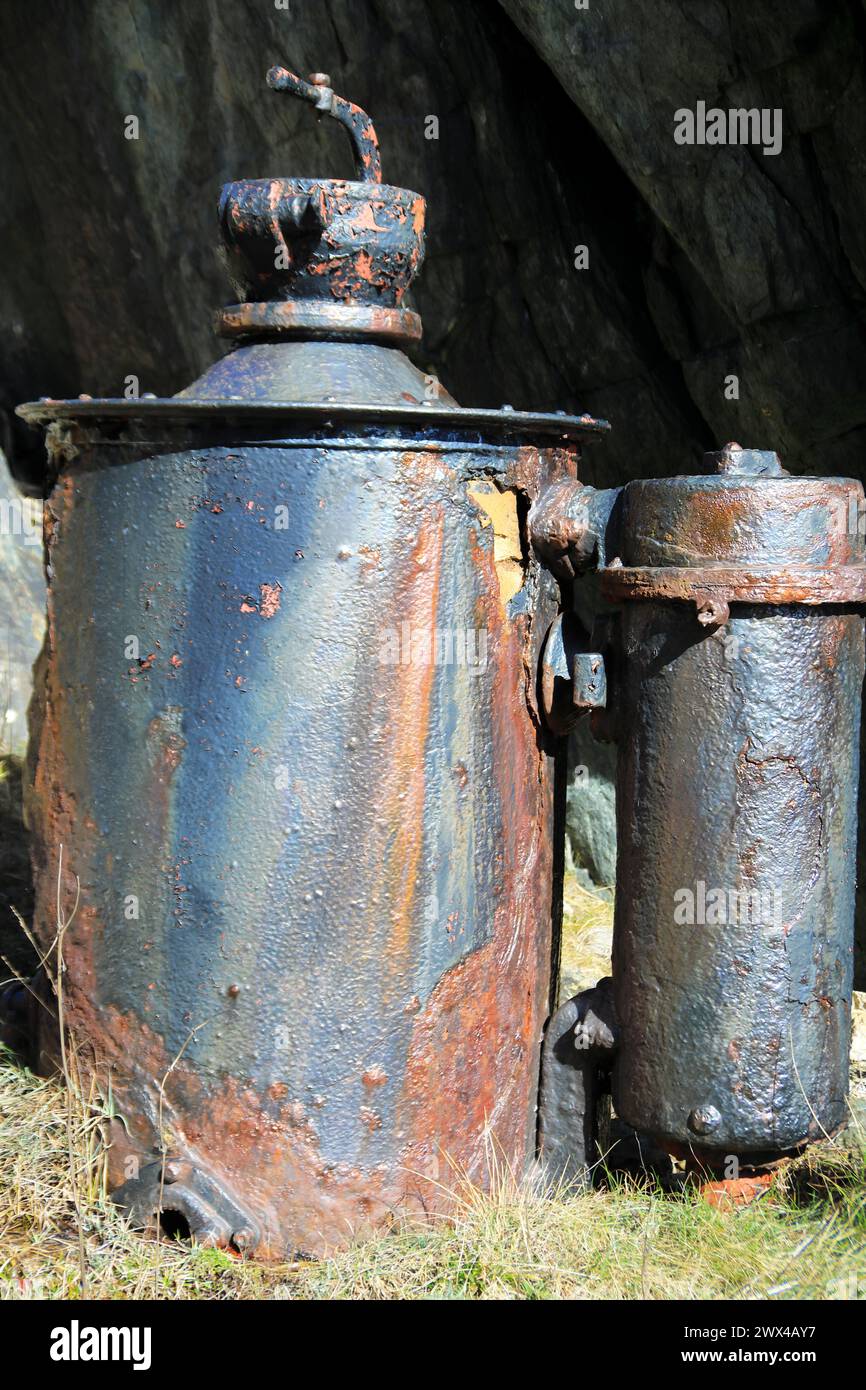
(320, 267)
(323, 257)
(513, 426)
(745, 532)
(745, 509)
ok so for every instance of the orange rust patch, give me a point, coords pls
(374, 1076)
(270, 599)
(401, 794)
(472, 1064)
(372, 558)
(730, 1193)
(268, 1156)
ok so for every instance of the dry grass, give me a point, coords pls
(806, 1239)
(587, 935)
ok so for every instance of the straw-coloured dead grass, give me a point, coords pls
(60, 1237)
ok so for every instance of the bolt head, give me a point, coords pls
(175, 1169)
(243, 1239)
(713, 612)
(704, 1119)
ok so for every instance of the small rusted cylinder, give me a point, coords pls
(738, 728)
(289, 742)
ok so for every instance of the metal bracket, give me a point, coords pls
(212, 1215)
(573, 679)
(578, 1051)
(713, 588)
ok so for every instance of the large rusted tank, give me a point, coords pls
(287, 755)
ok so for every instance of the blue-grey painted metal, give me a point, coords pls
(287, 717)
(287, 735)
(738, 733)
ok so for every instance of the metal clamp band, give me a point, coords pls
(807, 584)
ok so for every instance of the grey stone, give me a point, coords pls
(22, 603)
(591, 808)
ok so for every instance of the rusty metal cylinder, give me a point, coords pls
(737, 711)
(288, 740)
(310, 815)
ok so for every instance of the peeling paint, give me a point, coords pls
(499, 509)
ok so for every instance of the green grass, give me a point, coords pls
(60, 1237)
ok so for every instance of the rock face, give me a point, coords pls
(753, 264)
(590, 824)
(22, 603)
(554, 132)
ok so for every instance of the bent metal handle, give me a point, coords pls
(318, 91)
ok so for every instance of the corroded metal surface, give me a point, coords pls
(484, 428)
(320, 319)
(572, 678)
(734, 665)
(569, 525)
(809, 585)
(736, 795)
(319, 92)
(726, 517)
(340, 846)
(579, 1047)
(288, 738)
(736, 805)
(329, 256)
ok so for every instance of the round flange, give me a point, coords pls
(318, 319)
